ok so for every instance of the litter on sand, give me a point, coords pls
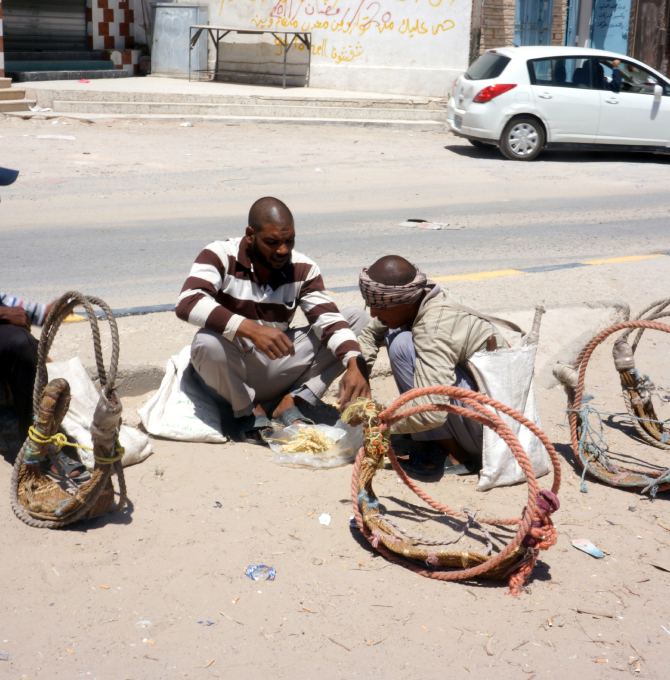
(324, 519)
(260, 572)
(586, 546)
(38, 109)
(319, 170)
(143, 624)
(185, 124)
(433, 226)
(55, 137)
(206, 623)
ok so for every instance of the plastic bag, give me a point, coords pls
(347, 442)
(78, 419)
(506, 375)
(180, 409)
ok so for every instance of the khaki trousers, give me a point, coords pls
(242, 376)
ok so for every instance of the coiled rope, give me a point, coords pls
(590, 453)
(638, 405)
(37, 500)
(535, 529)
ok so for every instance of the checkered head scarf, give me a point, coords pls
(380, 295)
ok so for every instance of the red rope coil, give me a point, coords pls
(535, 529)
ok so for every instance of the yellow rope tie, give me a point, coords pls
(118, 449)
(59, 440)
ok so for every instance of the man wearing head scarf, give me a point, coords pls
(429, 334)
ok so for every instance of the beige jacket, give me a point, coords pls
(443, 338)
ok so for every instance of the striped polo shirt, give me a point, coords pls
(37, 312)
(223, 290)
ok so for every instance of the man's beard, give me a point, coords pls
(260, 259)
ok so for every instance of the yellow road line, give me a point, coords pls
(476, 277)
(74, 318)
(630, 258)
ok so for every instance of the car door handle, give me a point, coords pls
(545, 95)
(612, 101)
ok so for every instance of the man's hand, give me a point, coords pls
(15, 316)
(354, 383)
(269, 341)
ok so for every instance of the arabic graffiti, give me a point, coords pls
(610, 25)
(363, 30)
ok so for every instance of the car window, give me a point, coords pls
(489, 65)
(631, 78)
(563, 72)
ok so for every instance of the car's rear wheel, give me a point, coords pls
(479, 145)
(522, 139)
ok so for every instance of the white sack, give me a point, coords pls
(80, 415)
(180, 409)
(506, 375)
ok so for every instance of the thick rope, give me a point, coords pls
(535, 529)
(105, 465)
(652, 435)
(649, 481)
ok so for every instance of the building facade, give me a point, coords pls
(394, 46)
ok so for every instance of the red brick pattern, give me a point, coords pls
(111, 24)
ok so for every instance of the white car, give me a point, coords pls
(525, 99)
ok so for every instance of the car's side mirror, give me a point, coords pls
(658, 92)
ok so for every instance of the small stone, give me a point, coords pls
(632, 507)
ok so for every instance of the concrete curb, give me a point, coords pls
(137, 379)
(418, 126)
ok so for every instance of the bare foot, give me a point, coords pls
(286, 403)
(455, 452)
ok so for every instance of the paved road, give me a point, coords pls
(122, 210)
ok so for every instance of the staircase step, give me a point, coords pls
(265, 110)
(5, 83)
(8, 93)
(53, 55)
(31, 76)
(60, 65)
(9, 105)
(273, 97)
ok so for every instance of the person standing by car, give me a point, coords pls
(615, 84)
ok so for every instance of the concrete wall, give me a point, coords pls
(397, 46)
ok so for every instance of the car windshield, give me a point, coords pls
(489, 65)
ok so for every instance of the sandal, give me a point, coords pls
(290, 415)
(469, 468)
(418, 457)
(253, 423)
(60, 467)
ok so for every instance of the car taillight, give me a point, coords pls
(491, 92)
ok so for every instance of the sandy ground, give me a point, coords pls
(74, 601)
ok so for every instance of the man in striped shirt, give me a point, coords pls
(243, 293)
(18, 353)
